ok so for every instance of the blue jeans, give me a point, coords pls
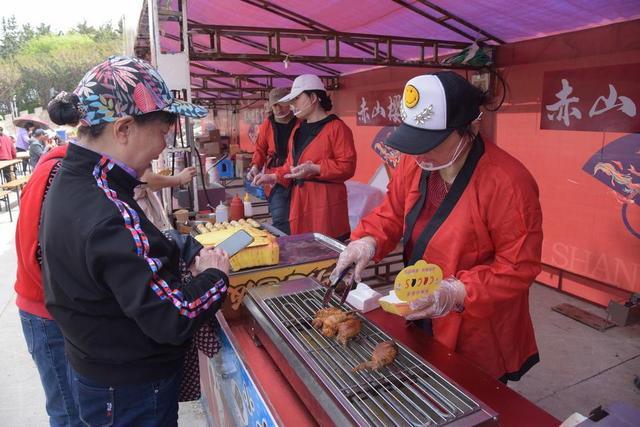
(279, 208)
(153, 404)
(46, 346)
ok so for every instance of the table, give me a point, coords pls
(7, 164)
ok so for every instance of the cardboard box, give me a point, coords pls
(210, 149)
(214, 135)
(202, 139)
(234, 149)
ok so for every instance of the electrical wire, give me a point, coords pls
(494, 71)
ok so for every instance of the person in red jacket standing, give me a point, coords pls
(470, 208)
(7, 152)
(42, 334)
(322, 157)
(272, 149)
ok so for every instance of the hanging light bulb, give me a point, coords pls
(286, 62)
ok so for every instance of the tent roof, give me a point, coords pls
(492, 21)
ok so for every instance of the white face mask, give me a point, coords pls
(282, 116)
(302, 111)
(428, 166)
(170, 137)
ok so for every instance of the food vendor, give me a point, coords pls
(469, 207)
(322, 157)
(272, 149)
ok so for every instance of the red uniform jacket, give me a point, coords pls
(266, 153)
(319, 203)
(488, 234)
(29, 275)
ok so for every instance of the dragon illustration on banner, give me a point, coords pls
(617, 165)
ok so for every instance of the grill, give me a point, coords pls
(406, 392)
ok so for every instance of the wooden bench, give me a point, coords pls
(4, 196)
(16, 185)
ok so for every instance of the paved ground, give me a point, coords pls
(581, 368)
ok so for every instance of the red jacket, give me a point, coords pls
(490, 239)
(28, 275)
(319, 203)
(7, 148)
(266, 150)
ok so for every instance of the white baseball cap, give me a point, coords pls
(302, 83)
(433, 106)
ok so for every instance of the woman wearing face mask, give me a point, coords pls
(470, 208)
(272, 149)
(321, 158)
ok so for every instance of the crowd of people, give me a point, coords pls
(30, 138)
(110, 305)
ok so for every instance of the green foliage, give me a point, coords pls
(35, 63)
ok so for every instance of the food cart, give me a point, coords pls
(274, 368)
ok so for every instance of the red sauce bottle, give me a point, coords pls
(236, 209)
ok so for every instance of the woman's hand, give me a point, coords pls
(186, 175)
(449, 297)
(265, 179)
(359, 252)
(210, 258)
(253, 172)
(304, 170)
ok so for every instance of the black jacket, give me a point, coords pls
(112, 279)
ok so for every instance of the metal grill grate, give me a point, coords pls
(407, 392)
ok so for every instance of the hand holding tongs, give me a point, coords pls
(334, 284)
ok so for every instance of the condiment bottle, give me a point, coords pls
(222, 213)
(248, 209)
(236, 209)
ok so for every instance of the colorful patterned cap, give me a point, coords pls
(126, 86)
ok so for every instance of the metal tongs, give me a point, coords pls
(334, 284)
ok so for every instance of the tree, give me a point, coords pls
(35, 62)
(10, 38)
(43, 30)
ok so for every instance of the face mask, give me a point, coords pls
(170, 137)
(281, 116)
(428, 166)
(302, 111)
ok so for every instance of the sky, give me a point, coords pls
(66, 14)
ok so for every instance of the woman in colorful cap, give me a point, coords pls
(321, 158)
(113, 282)
(470, 208)
(272, 150)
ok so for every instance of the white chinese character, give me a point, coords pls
(363, 114)
(562, 107)
(393, 109)
(378, 111)
(626, 105)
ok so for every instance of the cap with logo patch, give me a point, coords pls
(432, 107)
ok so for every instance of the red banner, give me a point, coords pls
(379, 108)
(592, 99)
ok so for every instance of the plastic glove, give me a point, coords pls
(265, 179)
(304, 170)
(449, 296)
(253, 172)
(359, 252)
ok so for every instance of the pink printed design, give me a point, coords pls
(144, 99)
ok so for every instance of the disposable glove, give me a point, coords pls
(359, 252)
(253, 172)
(304, 170)
(449, 297)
